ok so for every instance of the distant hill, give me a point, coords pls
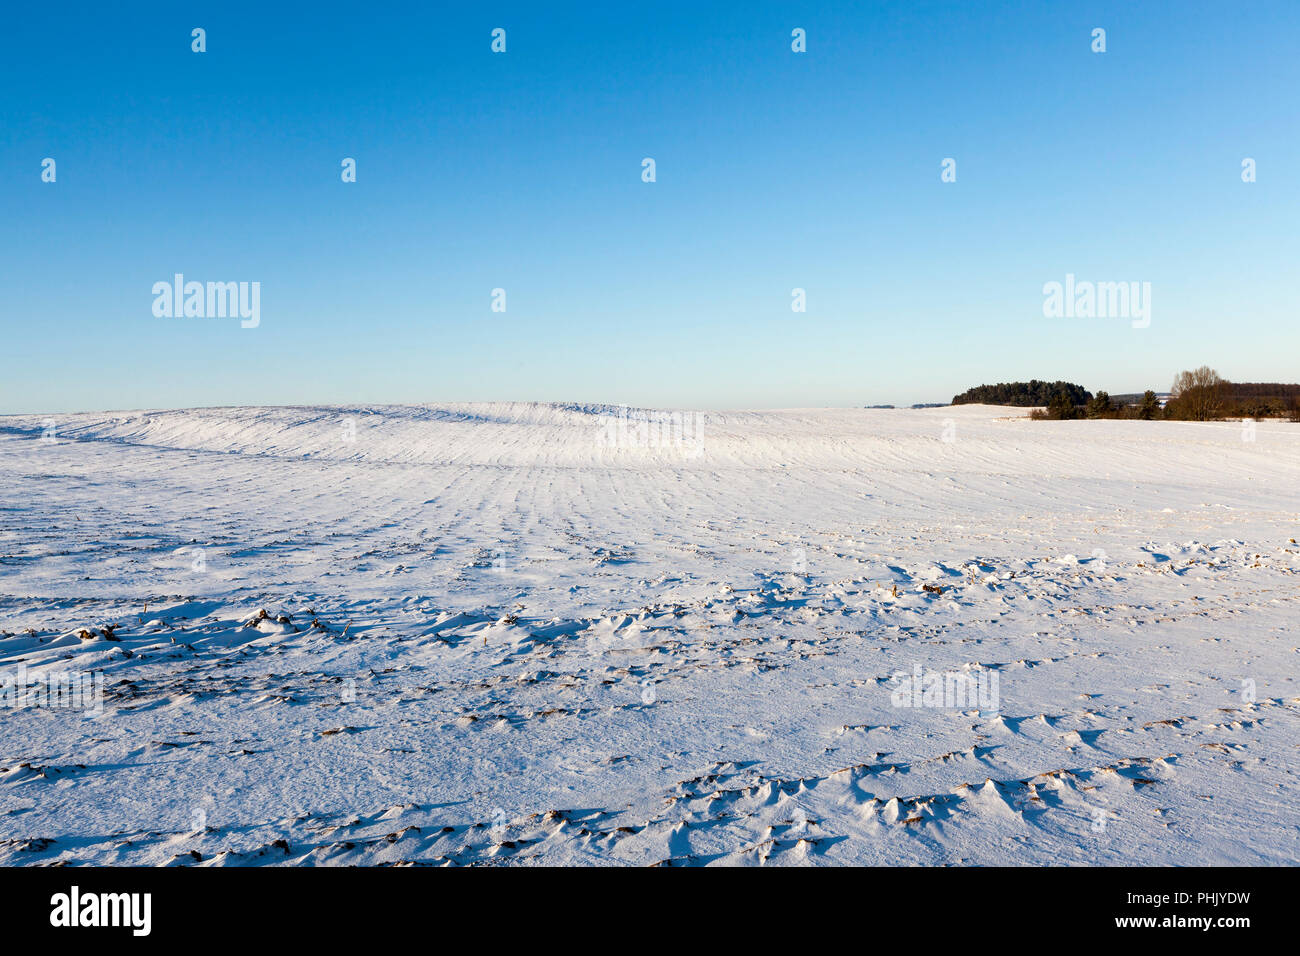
(1264, 389)
(1261, 399)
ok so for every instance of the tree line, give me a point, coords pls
(1197, 395)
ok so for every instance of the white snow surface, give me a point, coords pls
(492, 638)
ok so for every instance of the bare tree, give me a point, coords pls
(1197, 394)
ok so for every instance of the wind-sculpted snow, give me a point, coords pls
(510, 633)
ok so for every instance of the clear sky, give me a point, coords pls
(523, 171)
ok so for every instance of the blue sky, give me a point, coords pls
(522, 171)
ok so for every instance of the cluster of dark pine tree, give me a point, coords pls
(1061, 408)
(1026, 394)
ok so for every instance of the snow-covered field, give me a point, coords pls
(493, 635)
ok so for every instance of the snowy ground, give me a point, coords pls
(493, 637)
